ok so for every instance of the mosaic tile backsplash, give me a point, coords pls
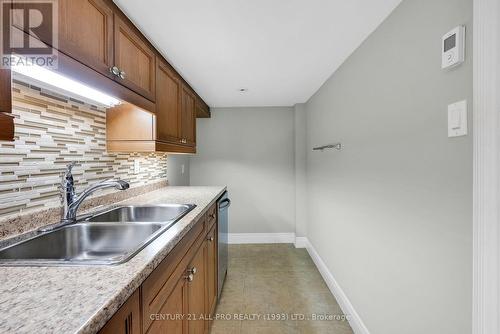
(52, 130)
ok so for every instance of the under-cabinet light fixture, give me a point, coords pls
(61, 82)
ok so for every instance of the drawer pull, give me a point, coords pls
(189, 277)
(192, 271)
(210, 239)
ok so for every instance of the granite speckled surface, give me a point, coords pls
(82, 299)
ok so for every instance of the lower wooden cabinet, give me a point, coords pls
(196, 292)
(211, 270)
(180, 295)
(172, 316)
(127, 320)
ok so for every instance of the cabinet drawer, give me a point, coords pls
(157, 288)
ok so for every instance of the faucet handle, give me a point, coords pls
(67, 178)
(69, 167)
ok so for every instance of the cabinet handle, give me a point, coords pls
(189, 277)
(192, 271)
(210, 239)
(122, 74)
(212, 215)
(114, 70)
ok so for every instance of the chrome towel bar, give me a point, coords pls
(337, 146)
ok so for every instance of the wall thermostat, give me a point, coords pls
(453, 47)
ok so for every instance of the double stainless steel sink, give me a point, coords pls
(110, 237)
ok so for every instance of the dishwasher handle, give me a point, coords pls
(225, 203)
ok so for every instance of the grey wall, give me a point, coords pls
(391, 214)
(177, 175)
(251, 150)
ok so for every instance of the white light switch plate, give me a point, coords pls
(457, 119)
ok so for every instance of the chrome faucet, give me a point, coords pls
(71, 202)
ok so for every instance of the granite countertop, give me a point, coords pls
(82, 299)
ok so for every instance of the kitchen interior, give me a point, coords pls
(238, 167)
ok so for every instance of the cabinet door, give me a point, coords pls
(211, 270)
(168, 104)
(86, 33)
(136, 59)
(188, 117)
(127, 319)
(196, 292)
(6, 127)
(5, 91)
(175, 307)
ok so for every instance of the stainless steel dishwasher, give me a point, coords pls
(223, 205)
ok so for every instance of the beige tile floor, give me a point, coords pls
(265, 280)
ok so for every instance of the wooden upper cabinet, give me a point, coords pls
(6, 121)
(168, 104)
(86, 33)
(5, 91)
(6, 127)
(135, 58)
(188, 117)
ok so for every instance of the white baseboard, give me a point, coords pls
(301, 242)
(261, 238)
(355, 321)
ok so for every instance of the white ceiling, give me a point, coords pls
(282, 51)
